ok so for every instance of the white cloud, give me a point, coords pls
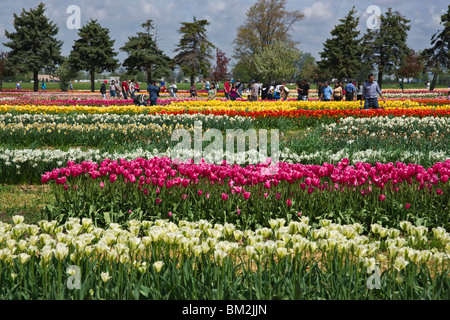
(320, 11)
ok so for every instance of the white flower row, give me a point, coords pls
(38, 157)
(115, 118)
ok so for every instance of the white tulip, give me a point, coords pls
(18, 219)
(400, 263)
(105, 276)
(23, 258)
(238, 235)
(281, 252)
(158, 266)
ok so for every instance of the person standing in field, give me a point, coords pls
(112, 89)
(299, 90)
(137, 88)
(240, 86)
(327, 92)
(337, 92)
(401, 86)
(371, 90)
(271, 92)
(350, 90)
(320, 88)
(103, 89)
(125, 89)
(118, 93)
(359, 93)
(227, 88)
(305, 92)
(173, 90)
(254, 92)
(153, 91)
(131, 89)
(234, 93)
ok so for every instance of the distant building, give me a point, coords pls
(116, 79)
(47, 78)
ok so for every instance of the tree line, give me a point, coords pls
(264, 49)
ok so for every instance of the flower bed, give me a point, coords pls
(251, 195)
(201, 260)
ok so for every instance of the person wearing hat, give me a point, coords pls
(103, 89)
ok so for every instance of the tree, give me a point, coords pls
(144, 54)
(3, 69)
(276, 62)
(194, 50)
(93, 51)
(322, 74)
(34, 46)
(220, 69)
(386, 47)
(65, 73)
(306, 66)
(438, 56)
(266, 22)
(243, 70)
(411, 66)
(342, 53)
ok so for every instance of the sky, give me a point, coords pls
(124, 18)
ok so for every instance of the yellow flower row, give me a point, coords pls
(214, 105)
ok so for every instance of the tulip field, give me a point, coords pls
(345, 204)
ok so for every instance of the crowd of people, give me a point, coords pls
(366, 92)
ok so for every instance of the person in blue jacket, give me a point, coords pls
(43, 85)
(153, 91)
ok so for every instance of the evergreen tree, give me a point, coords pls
(342, 53)
(386, 47)
(34, 46)
(144, 54)
(438, 56)
(194, 49)
(93, 51)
